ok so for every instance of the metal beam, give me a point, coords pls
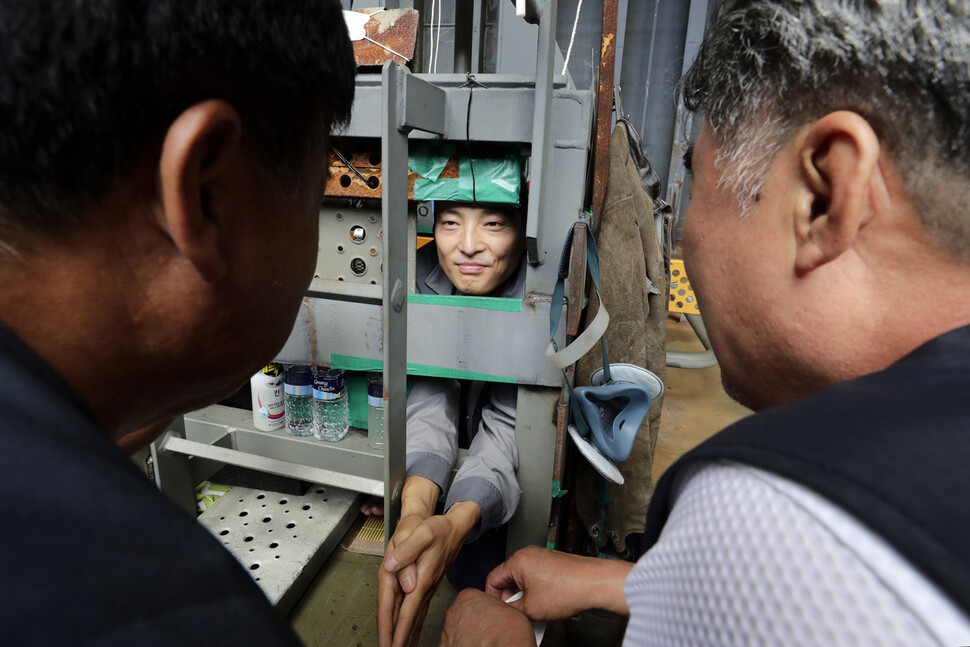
(396, 120)
(542, 139)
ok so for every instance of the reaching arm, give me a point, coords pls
(486, 475)
(559, 585)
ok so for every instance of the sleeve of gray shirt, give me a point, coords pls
(432, 429)
(487, 474)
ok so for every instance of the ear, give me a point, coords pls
(196, 163)
(838, 162)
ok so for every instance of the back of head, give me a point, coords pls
(84, 85)
(768, 67)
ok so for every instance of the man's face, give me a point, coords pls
(276, 258)
(740, 269)
(478, 248)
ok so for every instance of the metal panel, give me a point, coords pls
(493, 342)
(281, 540)
(351, 243)
(535, 435)
(225, 435)
(503, 114)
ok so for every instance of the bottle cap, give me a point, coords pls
(298, 376)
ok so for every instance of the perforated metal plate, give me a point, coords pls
(682, 297)
(281, 539)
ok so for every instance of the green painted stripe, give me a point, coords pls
(502, 304)
(350, 363)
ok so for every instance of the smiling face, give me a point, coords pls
(478, 248)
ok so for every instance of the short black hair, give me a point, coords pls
(85, 84)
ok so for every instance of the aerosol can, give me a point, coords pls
(267, 387)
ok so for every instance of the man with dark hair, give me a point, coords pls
(161, 169)
(830, 187)
(478, 250)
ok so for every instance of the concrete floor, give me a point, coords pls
(338, 607)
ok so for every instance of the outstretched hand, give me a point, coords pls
(557, 585)
(416, 558)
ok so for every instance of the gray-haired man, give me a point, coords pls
(830, 192)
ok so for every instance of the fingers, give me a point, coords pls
(407, 549)
(410, 619)
(372, 507)
(408, 578)
(501, 581)
(389, 597)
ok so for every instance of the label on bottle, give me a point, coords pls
(297, 389)
(329, 385)
(268, 404)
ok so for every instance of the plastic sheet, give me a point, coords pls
(496, 180)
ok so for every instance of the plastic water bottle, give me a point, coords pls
(375, 410)
(330, 411)
(267, 389)
(297, 382)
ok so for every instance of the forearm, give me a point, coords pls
(419, 497)
(601, 584)
(560, 585)
(464, 517)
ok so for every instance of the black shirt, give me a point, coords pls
(92, 553)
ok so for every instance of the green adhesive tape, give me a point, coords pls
(502, 304)
(556, 492)
(350, 363)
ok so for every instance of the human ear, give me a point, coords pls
(197, 155)
(838, 162)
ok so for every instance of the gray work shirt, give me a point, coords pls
(487, 474)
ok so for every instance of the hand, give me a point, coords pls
(559, 585)
(475, 618)
(415, 561)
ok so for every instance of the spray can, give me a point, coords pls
(267, 388)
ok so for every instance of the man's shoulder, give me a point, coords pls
(91, 538)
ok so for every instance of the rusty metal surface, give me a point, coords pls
(395, 29)
(558, 466)
(577, 274)
(364, 155)
(604, 110)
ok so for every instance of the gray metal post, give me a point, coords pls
(409, 103)
(394, 207)
(542, 141)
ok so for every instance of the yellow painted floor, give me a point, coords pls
(338, 608)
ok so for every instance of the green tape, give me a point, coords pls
(550, 545)
(350, 363)
(556, 492)
(503, 304)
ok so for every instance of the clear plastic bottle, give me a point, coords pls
(330, 411)
(375, 410)
(297, 383)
